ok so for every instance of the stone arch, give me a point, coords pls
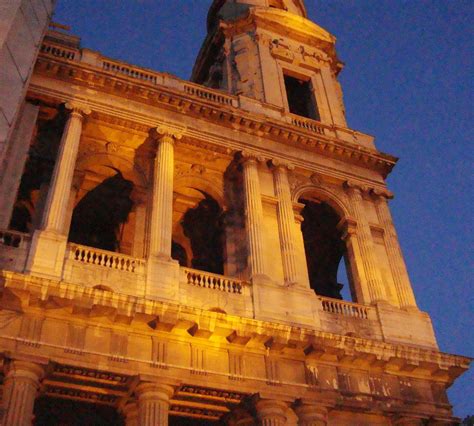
(202, 184)
(129, 169)
(325, 195)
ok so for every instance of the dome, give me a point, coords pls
(233, 9)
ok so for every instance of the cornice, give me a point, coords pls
(224, 115)
(315, 345)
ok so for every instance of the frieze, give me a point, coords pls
(225, 396)
(301, 55)
(89, 374)
(79, 394)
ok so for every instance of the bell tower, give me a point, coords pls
(269, 51)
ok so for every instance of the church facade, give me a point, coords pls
(169, 249)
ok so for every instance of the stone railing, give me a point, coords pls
(307, 124)
(348, 309)
(14, 239)
(106, 259)
(213, 281)
(58, 51)
(208, 94)
(129, 71)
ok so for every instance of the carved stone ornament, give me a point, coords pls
(78, 108)
(167, 131)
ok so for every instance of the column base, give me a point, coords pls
(46, 255)
(162, 282)
(293, 305)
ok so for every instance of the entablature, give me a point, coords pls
(234, 112)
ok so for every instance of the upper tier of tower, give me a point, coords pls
(270, 51)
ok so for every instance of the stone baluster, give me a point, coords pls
(271, 412)
(55, 212)
(375, 287)
(48, 246)
(162, 204)
(130, 413)
(21, 383)
(153, 403)
(286, 220)
(254, 216)
(403, 286)
(311, 415)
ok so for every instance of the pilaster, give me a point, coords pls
(373, 279)
(398, 268)
(286, 219)
(130, 414)
(20, 387)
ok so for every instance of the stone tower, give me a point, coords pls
(173, 246)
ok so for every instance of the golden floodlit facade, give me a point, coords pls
(169, 249)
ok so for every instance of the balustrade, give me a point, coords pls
(132, 72)
(60, 52)
(14, 239)
(209, 95)
(348, 309)
(107, 259)
(307, 124)
(213, 281)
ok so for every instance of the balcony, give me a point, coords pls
(122, 274)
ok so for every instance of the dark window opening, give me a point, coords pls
(203, 226)
(99, 217)
(178, 252)
(300, 98)
(324, 248)
(37, 174)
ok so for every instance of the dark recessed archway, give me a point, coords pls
(98, 218)
(324, 247)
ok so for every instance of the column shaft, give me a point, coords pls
(254, 217)
(311, 415)
(286, 220)
(60, 189)
(19, 392)
(153, 403)
(401, 279)
(271, 412)
(162, 209)
(375, 285)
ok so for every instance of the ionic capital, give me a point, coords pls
(348, 228)
(167, 133)
(77, 109)
(355, 188)
(381, 194)
(276, 163)
(248, 157)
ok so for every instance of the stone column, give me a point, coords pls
(162, 271)
(48, 245)
(55, 212)
(311, 415)
(375, 286)
(153, 403)
(162, 207)
(401, 279)
(271, 412)
(15, 163)
(253, 216)
(20, 387)
(130, 413)
(240, 417)
(286, 220)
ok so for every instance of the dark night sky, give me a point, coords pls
(408, 81)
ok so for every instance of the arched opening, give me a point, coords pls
(198, 232)
(325, 250)
(99, 217)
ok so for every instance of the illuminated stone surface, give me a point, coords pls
(192, 297)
